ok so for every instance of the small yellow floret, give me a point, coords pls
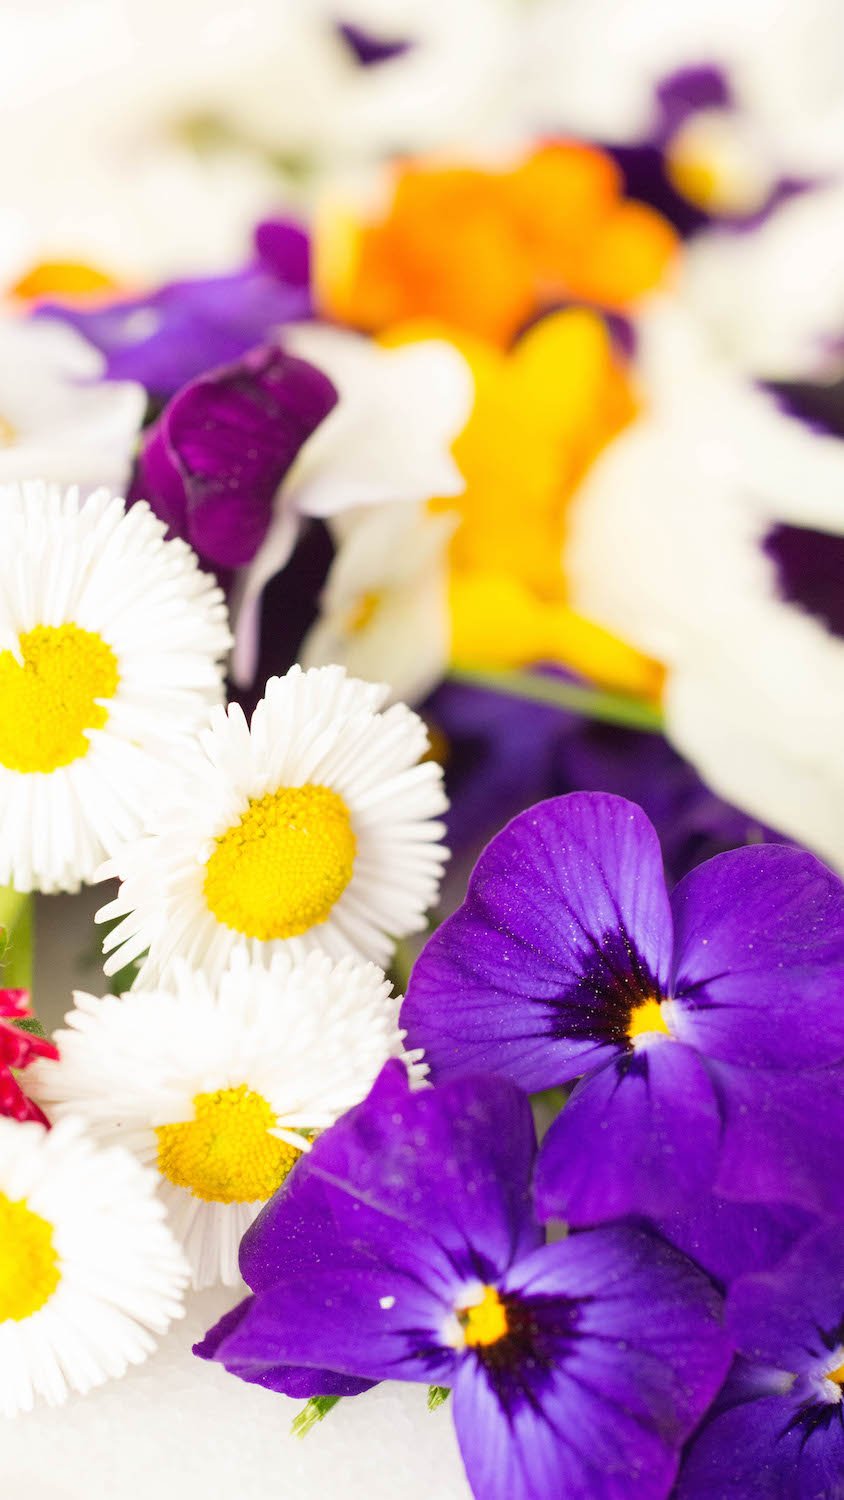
(486, 1322)
(225, 1154)
(647, 1019)
(29, 1265)
(280, 870)
(50, 699)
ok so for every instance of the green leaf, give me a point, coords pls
(317, 1408)
(593, 703)
(437, 1394)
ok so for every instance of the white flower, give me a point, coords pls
(110, 648)
(311, 829)
(387, 439)
(221, 1088)
(384, 609)
(670, 547)
(56, 419)
(88, 1268)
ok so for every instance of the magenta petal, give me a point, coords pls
(212, 463)
(565, 927)
(783, 1136)
(760, 959)
(640, 1136)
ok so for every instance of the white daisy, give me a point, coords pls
(88, 1267)
(222, 1087)
(314, 828)
(110, 647)
(57, 419)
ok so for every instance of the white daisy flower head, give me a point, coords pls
(89, 1271)
(315, 827)
(111, 643)
(222, 1086)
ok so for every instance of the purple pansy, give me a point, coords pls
(778, 1430)
(707, 1028)
(211, 464)
(171, 335)
(405, 1247)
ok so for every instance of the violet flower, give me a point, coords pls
(405, 1248)
(212, 463)
(175, 333)
(707, 1028)
(778, 1431)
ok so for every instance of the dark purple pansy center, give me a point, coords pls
(612, 998)
(810, 572)
(519, 1340)
(368, 49)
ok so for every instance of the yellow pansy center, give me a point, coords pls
(647, 1019)
(8, 432)
(364, 611)
(717, 165)
(837, 1375)
(226, 1154)
(29, 1265)
(281, 869)
(485, 1322)
(52, 695)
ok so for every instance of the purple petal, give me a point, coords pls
(640, 1136)
(434, 1183)
(760, 959)
(771, 1449)
(368, 49)
(212, 463)
(783, 1136)
(792, 1317)
(732, 1239)
(565, 927)
(810, 567)
(602, 1409)
(375, 1324)
(287, 1380)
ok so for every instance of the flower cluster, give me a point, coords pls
(421, 461)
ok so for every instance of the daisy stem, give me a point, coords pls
(16, 922)
(593, 703)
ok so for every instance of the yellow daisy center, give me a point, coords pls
(280, 870)
(647, 1019)
(50, 698)
(29, 1265)
(226, 1154)
(486, 1321)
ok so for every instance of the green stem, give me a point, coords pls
(593, 703)
(16, 921)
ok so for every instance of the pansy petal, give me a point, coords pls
(213, 461)
(760, 958)
(565, 927)
(375, 1325)
(288, 1380)
(783, 1136)
(730, 1239)
(470, 1145)
(793, 1316)
(771, 1449)
(640, 1136)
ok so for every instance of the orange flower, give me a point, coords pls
(484, 250)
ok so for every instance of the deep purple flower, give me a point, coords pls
(778, 1433)
(211, 464)
(405, 1248)
(503, 753)
(171, 335)
(707, 1029)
